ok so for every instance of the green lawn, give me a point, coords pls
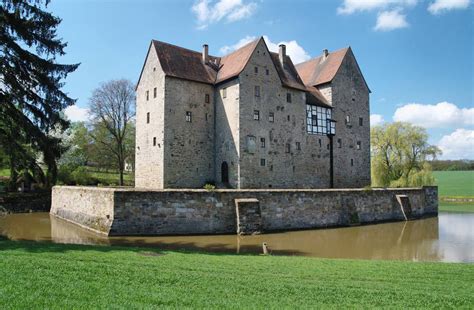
(45, 275)
(4, 172)
(111, 177)
(455, 183)
(455, 207)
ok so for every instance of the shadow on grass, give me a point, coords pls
(139, 246)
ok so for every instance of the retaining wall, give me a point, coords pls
(119, 211)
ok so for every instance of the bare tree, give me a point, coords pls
(112, 106)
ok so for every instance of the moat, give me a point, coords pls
(447, 238)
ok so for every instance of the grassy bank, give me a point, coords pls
(455, 183)
(455, 207)
(44, 275)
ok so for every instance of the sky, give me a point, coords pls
(417, 56)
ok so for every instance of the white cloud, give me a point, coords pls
(458, 145)
(376, 119)
(77, 114)
(227, 49)
(440, 6)
(293, 49)
(390, 20)
(210, 11)
(353, 6)
(443, 114)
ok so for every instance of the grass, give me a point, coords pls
(46, 275)
(455, 207)
(112, 177)
(455, 183)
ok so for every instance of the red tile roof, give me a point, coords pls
(232, 64)
(317, 71)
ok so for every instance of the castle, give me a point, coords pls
(251, 119)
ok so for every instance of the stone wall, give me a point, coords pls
(172, 212)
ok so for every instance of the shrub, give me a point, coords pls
(209, 187)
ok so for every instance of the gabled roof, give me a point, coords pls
(288, 75)
(186, 64)
(314, 96)
(317, 71)
(234, 63)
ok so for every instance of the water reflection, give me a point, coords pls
(447, 238)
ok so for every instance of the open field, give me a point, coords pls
(455, 207)
(455, 183)
(45, 275)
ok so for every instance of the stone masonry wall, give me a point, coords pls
(188, 146)
(173, 212)
(149, 157)
(350, 97)
(306, 165)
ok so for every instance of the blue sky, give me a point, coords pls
(417, 56)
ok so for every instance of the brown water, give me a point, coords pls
(448, 238)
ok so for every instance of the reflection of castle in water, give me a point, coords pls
(447, 238)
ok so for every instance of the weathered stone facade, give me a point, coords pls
(120, 211)
(248, 129)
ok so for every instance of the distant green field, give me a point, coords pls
(455, 207)
(455, 183)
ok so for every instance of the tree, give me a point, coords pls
(112, 107)
(399, 155)
(31, 79)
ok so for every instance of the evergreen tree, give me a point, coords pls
(31, 80)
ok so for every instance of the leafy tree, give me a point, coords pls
(112, 107)
(30, 84)
(399, 155)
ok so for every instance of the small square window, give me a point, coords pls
(288, 148)
(339, 143)
(262, 142)
(288, 97)
(256, 115)
(271, 117)
(148, 118)
(154, 68)
(224, 93)
(359, 145)
(262, 162)
(257, 91)
(188, 116)
(147, 95)
(207, 98)
(256, 69)
(361, 121)
(154, 92)
(298, 146)
(154, 141)
(267, 72)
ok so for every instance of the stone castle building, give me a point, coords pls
(251, 119)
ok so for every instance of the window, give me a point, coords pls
(154, 92)
(148, 118)
(256, 69)
(271, 117)
(147, 95)
(154, 141)
(271, 168)
(262, 142)
(348, 120)
(256, 115)
(288, 148)
(206, 117)
(257, 91)
(359, 145)
(298, 146)
(188, 116)
(267, 72)
(288, 97)
(288, 118)
(207, 98)
(224, 93)
(317, 119)
(320, 144)
(361, 121)
(339, 143)
(262, 162)
(154, 68)
(352, 162)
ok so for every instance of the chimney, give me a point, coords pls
(325, 54)
(205, 53)
(282, 53)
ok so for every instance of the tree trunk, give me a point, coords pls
(13, 173)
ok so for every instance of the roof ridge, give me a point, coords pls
(243, 46)
(319, 56)
(181, 48)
